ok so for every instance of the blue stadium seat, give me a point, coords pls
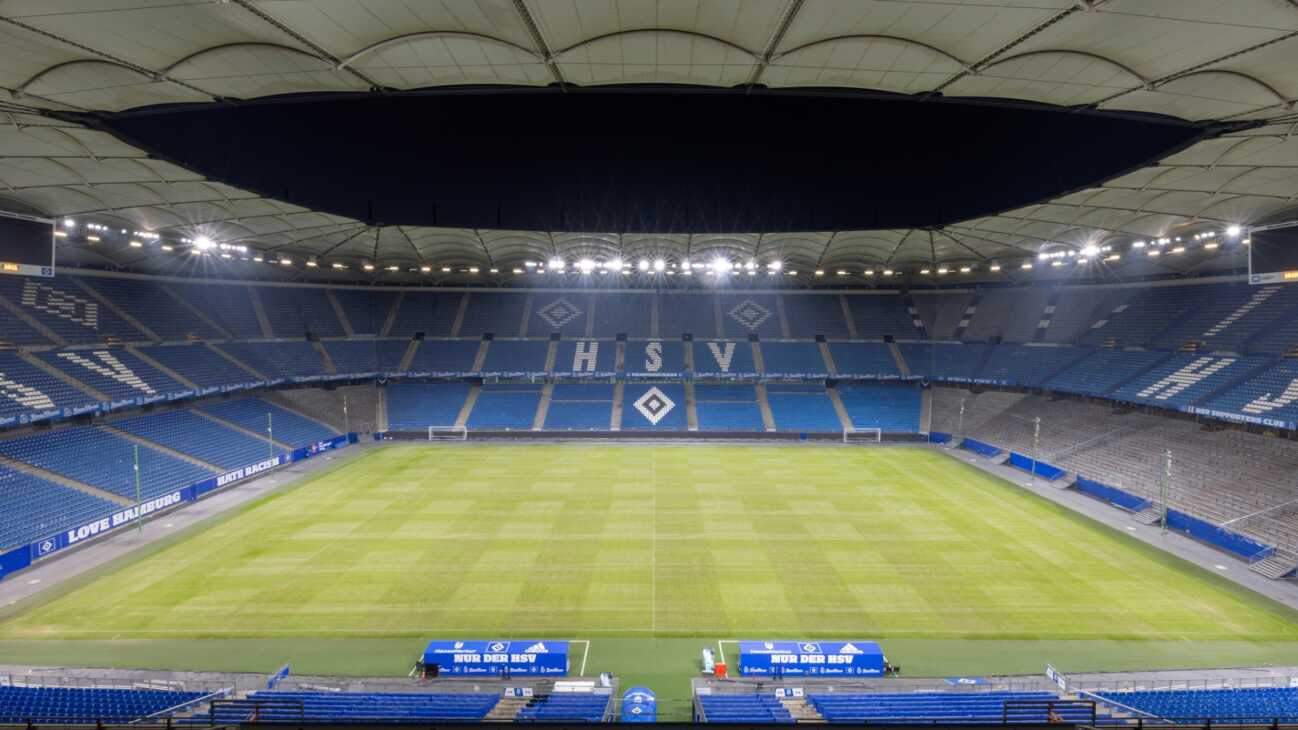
(432, 314)
(287, 427)
(1270, 396)
(863, 359)
(944, 707)
(229, 305)
(802, 409)
(416, 406)
(565, 707)
(685, 312)
(722, 358)
(1260, 705)
(627, 313)
(366, 311)
(727, 408)
(366, 356)
(341, 707)
(153, 307)
(115, 372)
(814, 314)
(505, 406)
(1182, 379)
(654, 358)
(105, 460)
(199, 437)
(750, 313)
(947, 361)
(656, 407)
(278, 359)
(295, 311)
(882, 314)
(744, 708)
(580, 407)
(199, 364)
(35, 508)
(81, 705)
(28, 389)
(794, 359)
(889, 407)
(499, 313)
(516, 357)
(445, 356)
(1103, 370)
(1028, 365)
(585, 358)
(63, 307)
(565, 313)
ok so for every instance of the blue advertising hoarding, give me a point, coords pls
(805, 658)
(488, 658)
(639, 704)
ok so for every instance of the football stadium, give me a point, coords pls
(441, 362)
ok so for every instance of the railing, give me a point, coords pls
(1051, 711)
(249, 711)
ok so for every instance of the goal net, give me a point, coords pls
(448, 433)
(862, 435)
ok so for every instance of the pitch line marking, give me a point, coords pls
(584, 654)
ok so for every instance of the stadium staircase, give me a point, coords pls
(146, 443)
(506, 710)
(800, 711)
(262, 320)
(1278, 565)
(247, 432)
(325, 359)
(1148, 516)
(236, 361)
(839, 409)
(764, 405)
(481, 356)
(411, 349)
(391, 319)
(32, 322)
(691, 406)
(615, 420)
(462, 420)
(162, 368)
(897, 358)
(543, 406)
(340, 312)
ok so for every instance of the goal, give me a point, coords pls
(862, 435)
(448, 433)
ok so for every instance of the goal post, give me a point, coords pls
(448, 433)
(862, 435)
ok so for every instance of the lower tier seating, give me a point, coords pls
(35, 508)
(201, 438)
(802, 409)
(950, 707)
(255, 414)
(728, 408)
(889, 407)
(505, 406)
(744, 708)
(356, 707)
(565, 707)
(1260, 705)
(85, 705)
(416, 406)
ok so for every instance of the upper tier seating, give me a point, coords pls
(654, 358)
(938, 707)
(277, 359)
(501, 314)
(199, 437)
(585, 358)
(342, 707)
(1103, 370)
(863, 359)
(14, 331)
(628, 313)
(295, 311)
(1271, 394)
(1077, 308)
(1183, 379)
(794, 359)
(515, 357)
(883, 314)
(25, 389)
(81, 705)
(565, 707)
(802, 409)
(584, 407)
(228, 305)
(510, 407)
(763, 708)
(1226, 317)
(445, 356)
(114, 372)
(961, 363)
(683, 313)
(366, 311)
(1139, 321)
(416, 406)
(101, 459)
(431, 313)
(1011, 314)
(727, 408)
(815, 314)
(366, 356)
(62, 306)
(657, 407)
(153, 307)
(717, 358)
(200, 364)
(1260, 705)
(745, 314)
(35, 508)
(287, 426)
(942, 312)
(1028, 365)
(565, 313)
(889, 407)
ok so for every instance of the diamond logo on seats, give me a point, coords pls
(559, 312)
(750, 314)
(654, 405)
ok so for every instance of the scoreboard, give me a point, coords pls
(26, 245)
(1273, 254)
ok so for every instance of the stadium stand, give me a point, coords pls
(1137, 322)
(67, 310)
(565, 707)
(346, 408)
(563, 313)
(251, 414)
(1103, 370)
(295, 311)
(1227, 316)
(584, 407)
(202, 438)
(1183, 379)
(743, 708)
(745, 314)
(115, 372)
(432, 314)
(515, 357)
(444, 356)
(199, 364)
(815, 314)
(28, 389)
(341, 707)
(1028, 365)
(948, 361)
(1009, 314)
(416, 406)
(945, 707)
(942, 312)
(627, 313)
(724, 358)
(802, 409)
(1261, 705)
(1271, 395)
(863, 360)
(35, 507)
(500, 314)
(15, 332)
(105, 460)
(585, 358)
(889, 407)
(882, 314)
(151, 305)
(366, 356)
(693, 314)
(506, 406)
(727, 408)
(656, 407)
(228, 305)
(654, 358)
(793, 359)
(277, 359)
(83, 705)
(366, 311)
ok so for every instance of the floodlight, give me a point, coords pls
(995, 267)
(556, 263)
(203, 243)
(585, 266)
(720, 265)
(642, 264)
(659, 264)
(775, 265)
(1233, 231)
(1090, 251)
(69, 223)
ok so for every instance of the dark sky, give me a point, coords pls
(652, 160)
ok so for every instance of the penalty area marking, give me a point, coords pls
(585, 653)
(721, 650)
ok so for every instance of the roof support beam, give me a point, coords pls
(773, 44)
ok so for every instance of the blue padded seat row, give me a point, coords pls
(749, 314)
(626, 313)
(511, 407)
(287, 426)
(1028, 365)
(360, 706)
(744, 708)
(876, 315)
(802, 409)
(955, 362)
(1103, 370)
(815, 314)
(199, 364)
(366, 356)
(445, 356)
(889, 407)
(727, 408)
(657, 407)
(229, 305)
(431, 313)
(863, 359)
(96, 457)
(294, 311)
(29, 389)
(277, 359)
(565, 707)
(416, 406)
(1253, 705)
(153, 307)
(498, 313)
(66, 309)
(514, 357)
(366, 311)
(199, 437)
(942, 707)
(35, 508)
(115, 372)
(794, 359)
(86, 705)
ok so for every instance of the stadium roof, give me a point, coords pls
(1230, 62)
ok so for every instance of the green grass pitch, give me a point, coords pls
(620, 544)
